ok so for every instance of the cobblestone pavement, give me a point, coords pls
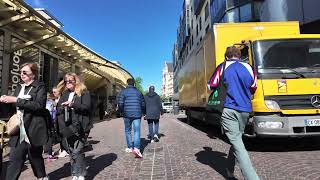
(187, 152)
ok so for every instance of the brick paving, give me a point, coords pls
(186, 152)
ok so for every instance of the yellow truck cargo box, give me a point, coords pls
(202, 61)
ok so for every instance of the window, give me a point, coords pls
(197, 30)
(233, 15)
(200, 23)
(206, 11)
(245, 12)
(207, 28)
(191, 40)
(191, 23)
(217, 9)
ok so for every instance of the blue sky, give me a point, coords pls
(138, 33)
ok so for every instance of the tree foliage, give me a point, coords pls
(163, 98)
(138, 84)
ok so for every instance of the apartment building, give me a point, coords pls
(198, 17)
(167, 80)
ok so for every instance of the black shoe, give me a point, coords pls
(230, 175)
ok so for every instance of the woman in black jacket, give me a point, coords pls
(30, 102)
(74, 120)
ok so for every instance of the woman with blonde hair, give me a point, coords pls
(73, 111)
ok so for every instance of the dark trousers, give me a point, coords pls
(1, 159)
(153, 125)
(18, 157)
(48, 146)
(77, 157)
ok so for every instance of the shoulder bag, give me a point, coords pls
(218, 95)
(13, 125)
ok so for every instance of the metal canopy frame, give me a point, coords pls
(36, 29)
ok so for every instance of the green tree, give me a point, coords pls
(138, 81)
(163, 98)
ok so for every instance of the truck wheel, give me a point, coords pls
(221, 130)
(189, 118)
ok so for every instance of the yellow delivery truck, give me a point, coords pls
(287, 100)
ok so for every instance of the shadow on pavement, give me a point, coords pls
(216, 160)
(93, 142)
(212, 132)
(282, 144)
(257, 144)
(161, 135)
(98, 164)
(94, 166)
(63, 172)
(143, 144)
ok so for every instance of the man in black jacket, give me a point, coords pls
(153, 111)
(132, 105)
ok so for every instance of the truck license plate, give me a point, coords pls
(312, 122)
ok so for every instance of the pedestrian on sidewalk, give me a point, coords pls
(74, 111)
(51, 116)
(153, 112)
(132, 105)
(241, 81)
(63, 146)
(28, 103)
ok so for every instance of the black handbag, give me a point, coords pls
(218, 95)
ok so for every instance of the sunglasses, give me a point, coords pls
(69, 81)
(26, 73)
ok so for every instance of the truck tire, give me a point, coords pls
(221, 130)
(189, 118)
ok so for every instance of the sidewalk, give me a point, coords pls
(176, 156)
(186, 152)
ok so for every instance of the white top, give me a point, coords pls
(71, 95)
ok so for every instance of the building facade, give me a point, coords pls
(167, 80)
(34, 35)
(198, 17)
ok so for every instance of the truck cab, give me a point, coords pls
(287, 100)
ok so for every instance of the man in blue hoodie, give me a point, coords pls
(241, 81)
(153, 112)
(132, 105)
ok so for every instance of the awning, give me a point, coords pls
(38, 29)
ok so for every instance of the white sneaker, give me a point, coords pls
(156, 138)
(137, 153)
(74, 178)
(63, 154)
(128, 150)
(81, 178)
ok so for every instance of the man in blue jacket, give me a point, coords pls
(132, 105)
(241, 80)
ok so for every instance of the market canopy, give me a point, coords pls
(38, 27)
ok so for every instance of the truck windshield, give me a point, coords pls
(287, 58)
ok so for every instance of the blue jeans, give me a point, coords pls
(128, 122)
(233, 123)
(153, 127)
